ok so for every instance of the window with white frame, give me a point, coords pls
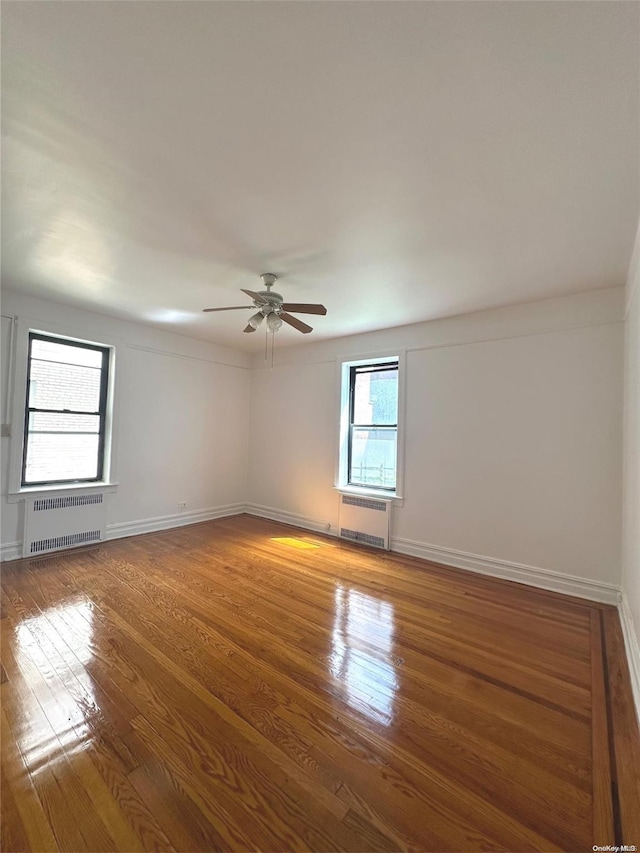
(66, 411)
(369, 447)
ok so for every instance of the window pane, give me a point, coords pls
(51, 351)
(45, 422)
(64, 386)
(61, 457)
(376, 397)
(373, 458)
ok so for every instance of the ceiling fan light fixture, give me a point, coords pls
(255, 321)
(273, 322)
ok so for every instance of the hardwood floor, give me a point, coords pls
(242, 685)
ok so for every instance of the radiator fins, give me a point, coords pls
(71, 500)
(365, 538)
(65, 541)
(365, 503)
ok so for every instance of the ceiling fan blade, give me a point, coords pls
(255, 296)
(297, 324)
(304, 308)
(248, 328)
(230, 308)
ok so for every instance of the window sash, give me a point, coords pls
(351, 479)
(354, 371)
(101, 413)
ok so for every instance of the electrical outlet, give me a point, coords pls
(182, 505)
(6, 430)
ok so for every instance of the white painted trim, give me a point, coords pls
(8, 353)
(633, 293)
(518, 572)
(11, 551)
(344, 364)
(376, 494)
(530, 575)
(59, 491)
(410, 349)
(536, 577)
(292, 518)
(497, 338)
(23, 326)
(298, 353)
(187, 357)
(633, 276)
(165, 522)
(632, 646)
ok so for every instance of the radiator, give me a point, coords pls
(365, 520)
(51, 524)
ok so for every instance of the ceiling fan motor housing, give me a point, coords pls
(273, 302)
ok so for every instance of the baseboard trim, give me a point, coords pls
(632, 645)
(530, 575)
(165, 522)
(11, 551)
(519, 572)
(292, 518)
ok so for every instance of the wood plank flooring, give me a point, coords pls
(243, 685)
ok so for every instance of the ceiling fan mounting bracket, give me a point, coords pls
(272, 301)
(268, 279)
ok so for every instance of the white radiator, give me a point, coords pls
(51, 524)
(365, 520)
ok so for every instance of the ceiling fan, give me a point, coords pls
(271, 306)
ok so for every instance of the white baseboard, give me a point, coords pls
(293, 518)
(632, 645)
(11, 551)
(530, 575)
(165, 522)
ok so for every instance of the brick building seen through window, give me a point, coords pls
(65, 419)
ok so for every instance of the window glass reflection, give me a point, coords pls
(361, 653)
(58, 707)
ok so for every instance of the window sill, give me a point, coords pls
(398, 500)
(59, 491)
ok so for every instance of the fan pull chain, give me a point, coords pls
(273, 343)
(266, 342)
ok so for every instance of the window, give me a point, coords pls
(66, 411)
(372, 441)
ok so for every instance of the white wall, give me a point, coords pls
(513, 433)
(631, 491)
(513, 422)
(513, 437)
(182, 410)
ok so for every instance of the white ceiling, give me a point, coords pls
(397, 161)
